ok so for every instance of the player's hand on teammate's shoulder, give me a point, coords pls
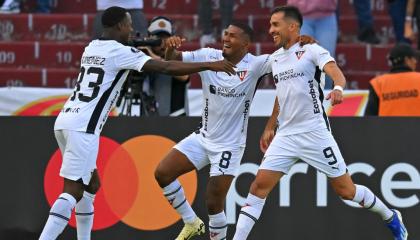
(306, 39)
(223, 66)
(266, 139)
(174, 42)
(336, 96)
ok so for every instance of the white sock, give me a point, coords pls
(59, 217)
(84, 216)
(176, 197)
(248, 216)
(218, 226)
(368, 200)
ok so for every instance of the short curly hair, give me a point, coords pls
(112, 16)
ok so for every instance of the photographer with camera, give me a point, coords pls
(169, 92)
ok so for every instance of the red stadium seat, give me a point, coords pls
(52, 27)
(75, 6)
(14, 54)
(165, 7)
(363, 57)
(38, 77)
(360, 79)
(61, 54)
(383, 27)
(56, 27)
(41, 54)
(379, 8)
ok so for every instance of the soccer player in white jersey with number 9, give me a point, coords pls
(105, 65)
(303, 130)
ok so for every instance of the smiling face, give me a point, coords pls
(282, 29)
(234, 41)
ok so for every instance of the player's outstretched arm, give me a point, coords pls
(180, 68)
(270, 128)
(334, 72)
(171, 44)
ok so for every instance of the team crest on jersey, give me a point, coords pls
(299, 54)
(241, 74)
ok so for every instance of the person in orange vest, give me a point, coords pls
(397, 93)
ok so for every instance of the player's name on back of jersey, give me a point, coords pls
(93, 60)
(286, 75)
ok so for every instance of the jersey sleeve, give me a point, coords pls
(263, 65)
(130, 58)
(199, 55)
(320, 56)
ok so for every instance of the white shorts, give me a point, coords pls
(224, 161)
(79, 150)
(317, 148)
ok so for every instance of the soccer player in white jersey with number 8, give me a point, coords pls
(105, 65)
(303, 131)
(220, 141)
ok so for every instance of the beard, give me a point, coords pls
(224, 54)
(283, 41)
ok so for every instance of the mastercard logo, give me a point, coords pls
(49, 106)
(129, 192)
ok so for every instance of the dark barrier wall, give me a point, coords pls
(382, 154)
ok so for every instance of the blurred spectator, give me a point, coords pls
(398, 92)
(412, 12)
(365, 21)
(170, 92)
(205, 12)
(13, 6)
(320, 22)
(134, 7)
(43, 6)
(397, 11)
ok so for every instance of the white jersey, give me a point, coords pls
(299, 79)
(105, 65)
(227, 99)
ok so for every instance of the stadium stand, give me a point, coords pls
(45, 49)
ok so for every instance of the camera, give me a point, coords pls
(133, 101)
(145, 42)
